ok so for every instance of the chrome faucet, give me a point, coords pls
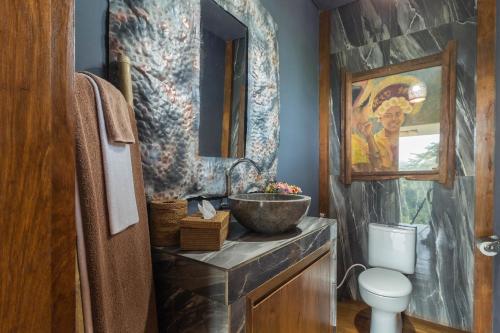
(229, 172)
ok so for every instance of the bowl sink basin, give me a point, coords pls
(269, 213)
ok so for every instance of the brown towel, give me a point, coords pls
(118, 125)
(119, 267)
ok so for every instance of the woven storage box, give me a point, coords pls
(198, 234)
(164, 221)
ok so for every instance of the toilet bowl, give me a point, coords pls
(387, 292)
(391, 252)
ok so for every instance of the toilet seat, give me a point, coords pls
(385, 282)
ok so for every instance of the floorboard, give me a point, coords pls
(354, 317)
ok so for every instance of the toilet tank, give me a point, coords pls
(392, 247)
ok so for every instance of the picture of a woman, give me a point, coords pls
(397, 121)
(384, 105)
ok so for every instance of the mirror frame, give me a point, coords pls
(445, 173)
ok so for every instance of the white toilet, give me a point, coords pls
(391, 252)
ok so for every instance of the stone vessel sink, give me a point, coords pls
(269, 213)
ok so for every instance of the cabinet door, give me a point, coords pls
(301, 305)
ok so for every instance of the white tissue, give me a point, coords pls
(207, 210)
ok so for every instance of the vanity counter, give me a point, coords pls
(209, 288)
(243, 246)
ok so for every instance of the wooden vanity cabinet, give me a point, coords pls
(295, 301)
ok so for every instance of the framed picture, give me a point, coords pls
(399, 120)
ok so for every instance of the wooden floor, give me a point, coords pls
(354, 317)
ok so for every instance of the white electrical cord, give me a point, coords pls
(346, 273)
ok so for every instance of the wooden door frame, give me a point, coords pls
(484, 149)
(37, 238)
(484, 161)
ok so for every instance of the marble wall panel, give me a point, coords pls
(409, 16)
(445, 257)
(360, 23)
(369, 21)
(443, 282)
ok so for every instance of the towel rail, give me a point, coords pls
(125, 78)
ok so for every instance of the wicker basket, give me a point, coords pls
(164, 217)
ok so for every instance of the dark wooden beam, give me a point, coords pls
(225, 146)
(324, 111)
(62, 146)
(37, 170)
(485, 162)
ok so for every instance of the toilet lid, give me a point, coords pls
(385, 282)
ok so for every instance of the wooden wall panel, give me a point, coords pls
(37, 242)
(63, 234)
(225, 148)
(324, 111)
(484, 159)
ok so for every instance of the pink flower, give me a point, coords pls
(282, 187)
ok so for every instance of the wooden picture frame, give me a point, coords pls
(444, 172)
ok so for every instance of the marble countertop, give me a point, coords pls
(243, 246)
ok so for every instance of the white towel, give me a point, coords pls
(118, 176)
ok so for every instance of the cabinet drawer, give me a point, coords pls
(300, 305)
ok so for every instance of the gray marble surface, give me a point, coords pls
(205, 291)
(391, 32)
(243, 246)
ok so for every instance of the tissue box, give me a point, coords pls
(198, 234)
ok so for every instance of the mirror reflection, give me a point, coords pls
(223, 83)
(395, 122)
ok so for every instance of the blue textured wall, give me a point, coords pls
(298, 157)
(91, 35)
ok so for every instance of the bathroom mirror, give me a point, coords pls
(399, 120)
(223, 82)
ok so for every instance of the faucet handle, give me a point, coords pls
(224, 205)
